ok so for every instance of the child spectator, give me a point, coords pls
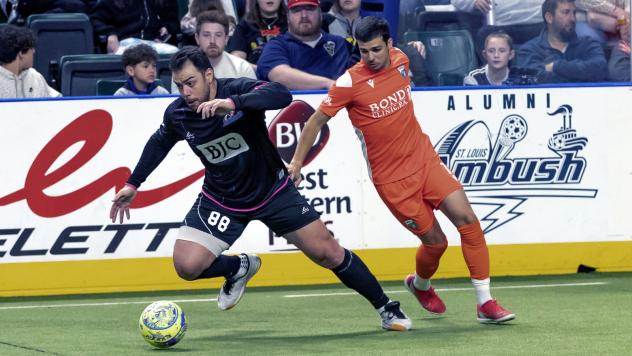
(17, 77)
(140, 65)
(498, 52)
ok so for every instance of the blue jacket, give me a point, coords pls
(329, 58)
(583, 61)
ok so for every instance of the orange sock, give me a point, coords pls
(475, 250)
(427, 259)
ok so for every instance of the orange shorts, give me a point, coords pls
(413, 199)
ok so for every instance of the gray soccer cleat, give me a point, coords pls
(233, 288)
(393, 318)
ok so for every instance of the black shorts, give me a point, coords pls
(287, 211)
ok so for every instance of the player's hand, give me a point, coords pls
(215, 107)
(483, 5)
(121, 202)
(294, 168)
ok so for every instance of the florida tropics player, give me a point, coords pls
(245, 179)
(406, 171)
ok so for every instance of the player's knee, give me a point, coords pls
(187, 270)
(330, 255)
(466, 219)
(434, 236)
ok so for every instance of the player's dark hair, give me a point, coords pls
(371, 27)
(139, 53)
(549, 6)
(193, 54)
(14, 40)
(211, 17)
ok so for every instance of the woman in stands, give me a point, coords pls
(264, 20)
(153, 20)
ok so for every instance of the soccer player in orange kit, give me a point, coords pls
(403, 165)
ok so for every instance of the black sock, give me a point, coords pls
(223, 266)
(354, 274)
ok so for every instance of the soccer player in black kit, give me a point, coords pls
(223, 121)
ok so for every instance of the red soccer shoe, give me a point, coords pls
(492, 313)
(428, 299)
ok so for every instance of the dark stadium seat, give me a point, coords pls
(448, 20)
(80, 73)
(110, 86)
(164, 73)
(58, 35)
(449, 54)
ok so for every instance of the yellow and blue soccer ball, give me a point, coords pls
(162, 324)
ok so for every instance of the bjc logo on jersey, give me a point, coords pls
(285, 130)
(223, 148)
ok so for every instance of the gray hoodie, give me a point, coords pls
(28, 84)
(341, 26)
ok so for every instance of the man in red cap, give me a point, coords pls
(304, 57)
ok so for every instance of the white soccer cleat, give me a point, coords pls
(233, 288)
(393, 318)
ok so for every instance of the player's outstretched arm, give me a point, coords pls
(121, 202)
(305, 142)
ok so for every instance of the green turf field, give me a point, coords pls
(582, 314)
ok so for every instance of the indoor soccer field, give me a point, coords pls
(579, 314)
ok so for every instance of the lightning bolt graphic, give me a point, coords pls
(502, 214)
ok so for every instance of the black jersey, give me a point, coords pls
(242, 166)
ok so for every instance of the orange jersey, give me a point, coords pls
(381, 110)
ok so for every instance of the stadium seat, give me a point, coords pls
(164, 72)
(80, 73)
(107, 87)
(449, 54)
(58, 35)
(448, 21)
(389, 9)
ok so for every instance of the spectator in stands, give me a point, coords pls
(153, 20)
(619, 64)
(498, 53)
(265, 19)
(25, 8)
(17, 77)
(305, 57)
(342, 19)
(557, 54)
(196, 7)
(604, 16)
(520, 19)
(212, 36)
(8, 11)
(140, 65)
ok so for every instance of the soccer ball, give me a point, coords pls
(162, 324)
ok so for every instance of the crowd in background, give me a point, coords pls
(308, 44)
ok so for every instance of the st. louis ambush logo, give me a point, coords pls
(492, 177)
